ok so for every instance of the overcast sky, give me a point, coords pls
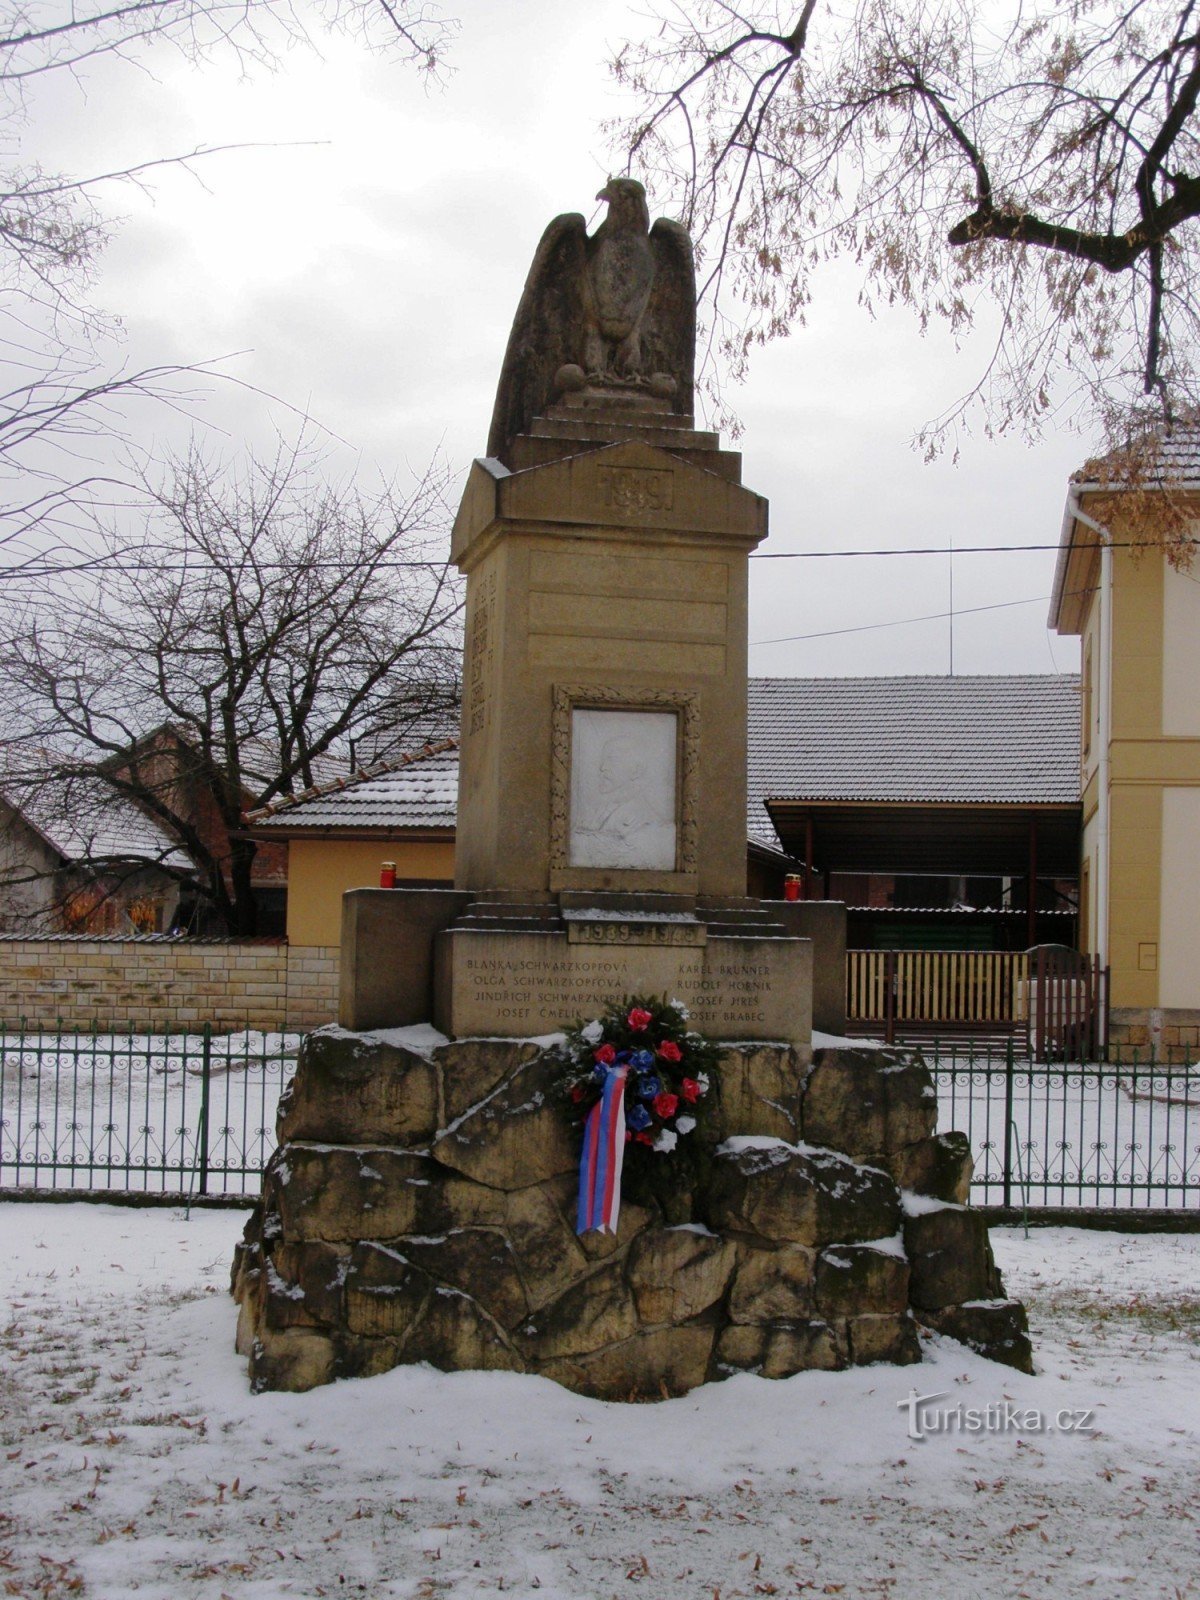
(365, 262)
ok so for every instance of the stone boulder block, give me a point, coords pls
(773, 1284)
(355, 1088)
(649, 1366)
(940, 1167)
(678, 1273)
(456, 1334)
(385, 1293)
(997, 1329)
(473, 1069)
(303, 1284)
(599, 1246)
(759, 1092)
(518, 1135)
(867, 1102)
(292, 1360)
(545, 1246)
(950, 1256)
(343, 1193)
(855, 1280)
(780, 1349)
(479, 1262)
(597, 1311)
(797, 1195)
(892, 1338)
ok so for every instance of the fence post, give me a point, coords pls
(889, 997)
(205, 1086)
(1008, 1121)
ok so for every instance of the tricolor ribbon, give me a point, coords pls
(603, 1156)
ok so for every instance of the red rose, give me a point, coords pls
(642, 1138)
(690, 1090)
(639, 1020)
(605, 1055)
(670, 1051)
(577, 1093)
(665, 1105)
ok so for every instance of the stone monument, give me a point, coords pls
(421, 1205)
(601, 835)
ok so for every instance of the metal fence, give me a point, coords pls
(139, 1113)
(195, 1114)
(1123, 1133)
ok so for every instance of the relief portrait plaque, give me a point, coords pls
(624, 789)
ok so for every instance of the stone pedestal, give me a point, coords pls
(603, 740)
(420, 1207)
(517, 968)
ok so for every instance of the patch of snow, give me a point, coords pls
(753, 1141)
(582, 914)
(473, 1484)
(421, 1038)
(920, 1205)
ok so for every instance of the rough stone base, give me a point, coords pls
(420, 1207)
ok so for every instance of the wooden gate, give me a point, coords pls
(1065, 1005)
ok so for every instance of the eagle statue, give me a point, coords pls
(610, 316)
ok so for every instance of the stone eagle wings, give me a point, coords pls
(612, 312)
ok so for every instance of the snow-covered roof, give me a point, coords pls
(84, 820)
(999, 740)
(1002, 740)
(418, 791)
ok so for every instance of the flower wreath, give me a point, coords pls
(640, 1080)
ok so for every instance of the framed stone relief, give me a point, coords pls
(623, 789)
(623, 782)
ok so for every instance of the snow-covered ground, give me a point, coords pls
(135, 1462)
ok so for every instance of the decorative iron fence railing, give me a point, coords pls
(195, 1115)
(1123, 1133)
(138, 1113)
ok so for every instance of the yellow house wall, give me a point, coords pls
(1153, 782)
(1135, 802)
(321, 870)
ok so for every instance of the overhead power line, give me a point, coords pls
(949, 550)
(197, 564)
(903, 622)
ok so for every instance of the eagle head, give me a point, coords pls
(627, 206)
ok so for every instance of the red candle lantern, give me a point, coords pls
(387, 875)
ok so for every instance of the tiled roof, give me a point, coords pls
(1167, 456)
(417, 791)
(1007, 740)
(83, 820)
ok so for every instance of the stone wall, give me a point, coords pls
(1172, 1034)
(160, 984)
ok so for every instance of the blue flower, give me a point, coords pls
(623, 1057)
(649, 1086)
(599, 1072)
(642, 1059)
(637, 1118)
